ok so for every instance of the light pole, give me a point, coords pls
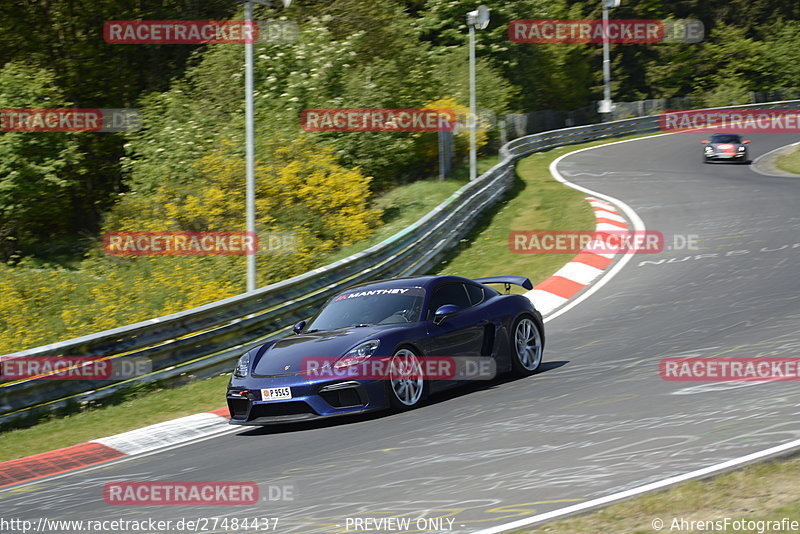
(606, 106)
(250, 151)
(249, 138)
(475, 19)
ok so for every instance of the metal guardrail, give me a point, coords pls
(205, 341)
(580, 134)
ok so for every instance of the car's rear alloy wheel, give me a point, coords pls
(527, 346)
(406, 382)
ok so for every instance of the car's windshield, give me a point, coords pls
(726, 138)
(362, 306)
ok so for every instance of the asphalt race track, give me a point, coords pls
(599, 419)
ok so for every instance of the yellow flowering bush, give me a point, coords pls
(462, 117)
(299, 188)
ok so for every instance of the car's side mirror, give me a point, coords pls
(746, 141)
(444, 311)
(705, 141)
(299, 327)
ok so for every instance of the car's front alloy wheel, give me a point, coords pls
(406, 380)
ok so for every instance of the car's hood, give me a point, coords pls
(286, 356)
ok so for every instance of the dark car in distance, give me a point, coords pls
(725, 147)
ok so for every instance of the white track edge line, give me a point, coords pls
(594, 287)
(594, 503)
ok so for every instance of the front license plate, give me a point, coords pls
(271, 394)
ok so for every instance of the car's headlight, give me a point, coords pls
(358, 354)
(709, 149)
(242, 366)
(741, 149)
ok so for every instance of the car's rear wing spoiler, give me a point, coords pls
(516, 280)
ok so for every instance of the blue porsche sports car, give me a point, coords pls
(388, 344)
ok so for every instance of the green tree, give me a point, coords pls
(783, 54)
(65, 37)
(544, 76)
(729, 66)
(39, 172)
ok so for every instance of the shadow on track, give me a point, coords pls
(437, 398)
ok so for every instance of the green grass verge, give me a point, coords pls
(408, 203)
(767, 491)
(789, 162)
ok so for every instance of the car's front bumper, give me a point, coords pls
(311, 400)
(725, 156)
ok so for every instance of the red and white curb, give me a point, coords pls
(139, 441)
(576, 275)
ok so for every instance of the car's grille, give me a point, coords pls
(238, 407)
(278, 375)
(280, 408)
(342, 398)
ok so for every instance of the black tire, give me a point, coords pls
(529, 330)
(416, 389)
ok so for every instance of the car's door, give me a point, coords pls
(488, 323)
(459, 335)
